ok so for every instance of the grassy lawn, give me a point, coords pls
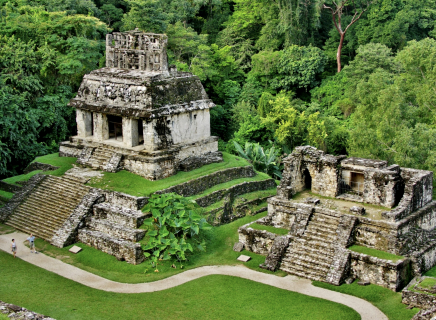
(219, 242)
(65, 163)
(428, 283)
(4, 229)
(271, 229)
(431, 272)
(133, 184)
(387, 301)
(21, 177)
(211, 297)
(5, 196)
(376, 253)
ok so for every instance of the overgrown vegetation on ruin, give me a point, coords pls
(270, 66)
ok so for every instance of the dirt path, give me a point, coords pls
(366, 310)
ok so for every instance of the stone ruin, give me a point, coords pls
(140, 115)
(329, 203)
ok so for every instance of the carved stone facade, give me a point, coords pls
(321, 230)
(137, 115)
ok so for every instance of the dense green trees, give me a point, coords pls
(270, 66)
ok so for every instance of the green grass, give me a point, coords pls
(387, 301)
(127, 182)
(64, 163)
(279, 231)
(21, 177)
(376, 253)
(4, 317)
(4, 229)
(431, 272)
(211, 297)
(219, 243)
(428, 283)
(226, 185)
(5, 196)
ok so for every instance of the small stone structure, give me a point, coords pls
(417, 297)
(15, 312)
(321, 230)
(138, 115)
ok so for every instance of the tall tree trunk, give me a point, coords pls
(338, 54)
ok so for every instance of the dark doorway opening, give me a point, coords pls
(307, 179)
(92, 123)
(140, 132)
(115, 127)
(357, 181)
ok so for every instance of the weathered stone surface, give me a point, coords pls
(385, 273)
(242, 188)
(121, 249)
(191, 163)
(197, 186)
(257, 241)
(67, 234)
(15, 312)
(75, 249)
(426, 314)
(244, 258)
(417, 299)
(275, 254)
(238, 247)
(358, 210)
(116, 230)
(8, 187)
(311, 200)
(363, 283)
(119, 199)
(119, 215)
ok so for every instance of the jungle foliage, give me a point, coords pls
(270, 67)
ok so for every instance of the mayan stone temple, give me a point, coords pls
(140, 115)
(329, 203)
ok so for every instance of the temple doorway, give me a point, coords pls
(307, 179)
(115, 127)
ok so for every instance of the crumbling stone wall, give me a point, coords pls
(417, 299)
(418, 192)
(197, 186)
(257, 241)
(125, 200)
(385, 273)
(381, 187)
(323, 170)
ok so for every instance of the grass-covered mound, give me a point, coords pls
(376, 253)
(431, 272)
(211, 297)
(387, 301)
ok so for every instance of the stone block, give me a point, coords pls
(238, 247)
(243, 258)
(358, 210)
(75, 249)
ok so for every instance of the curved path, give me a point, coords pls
(366, 310)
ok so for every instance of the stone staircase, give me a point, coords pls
(45, 210)
(100, 158)
(312, 254)
(114, 230)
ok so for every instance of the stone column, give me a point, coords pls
(130, 132)
(150, 136)
(84, 123)
(109, 52)
(101, 127)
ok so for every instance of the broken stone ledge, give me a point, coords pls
(15, 312)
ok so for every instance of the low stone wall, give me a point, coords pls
(116, 230)
(119, 215)
(15, 312)
(257, 241)
(19, 196)
(122, 250)
(124, 200)
(424, 259)
(67, 234)
(196, 162)
(425, 314)
(40, 166)
(197, 186)
(417, 299)
(385, 273)
(245, 187)
(8, 187)
(377, 234)
(156, 168)
(67, 149)
(424, 218)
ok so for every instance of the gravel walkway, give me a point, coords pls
(291, 283)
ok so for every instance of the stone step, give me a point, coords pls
(325, 219)
(321, 227)
(63, 198)
(298, 258)
(39, 233)
(44, 216)
(312, 236)
(312, 253)
(301, 264)
(116, 231)
(65, 185)
(316, 244)
(304, 273)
